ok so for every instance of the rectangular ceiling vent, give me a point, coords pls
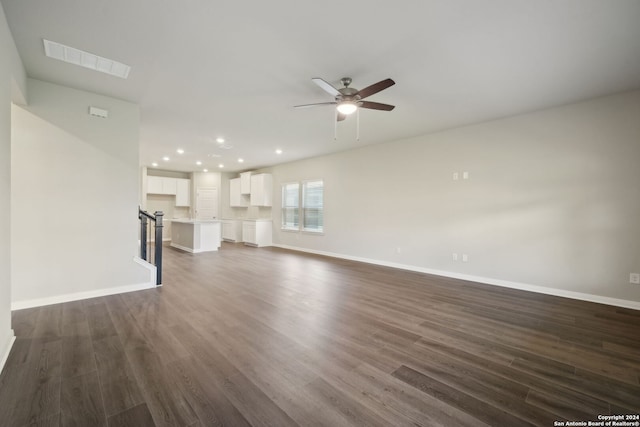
(85, 59)
(98, 112)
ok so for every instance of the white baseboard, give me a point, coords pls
(39, 302)
(19, 305)
(182, 248)
(6, 349)
(193, 251)
(635, 305)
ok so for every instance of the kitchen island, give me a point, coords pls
(195, 235)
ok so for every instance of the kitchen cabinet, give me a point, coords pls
(245, 182)
(161, 185)
(261, 189)
(236, 198)
(183, 192)
(154, 184)
(257, 232)
(181, 188)
(195, 236)
(169, 186)
(232, 230)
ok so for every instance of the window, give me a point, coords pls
(303, 206)
(312, 206)
(291, 206)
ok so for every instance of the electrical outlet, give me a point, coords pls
(454, 256)
(456, 176)
(465, 175)
(634, 278)
(465, 257)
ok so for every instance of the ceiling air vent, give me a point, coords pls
(85, 59)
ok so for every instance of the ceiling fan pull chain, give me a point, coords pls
(335, 127)
(358, 125)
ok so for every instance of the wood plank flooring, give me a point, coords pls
(257, 337)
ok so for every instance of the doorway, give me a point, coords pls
(206, 203)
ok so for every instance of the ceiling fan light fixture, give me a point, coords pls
(347, 107)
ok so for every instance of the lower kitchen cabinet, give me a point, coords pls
(232, 230)
(257, 232)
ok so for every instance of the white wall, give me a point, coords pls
(553, 200)
(74, 196)
(12, 86)
(226, 211)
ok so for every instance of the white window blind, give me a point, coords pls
(313, 206)
(291, 206)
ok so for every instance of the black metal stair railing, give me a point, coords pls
(145, 225)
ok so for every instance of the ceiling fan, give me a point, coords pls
(348, 100)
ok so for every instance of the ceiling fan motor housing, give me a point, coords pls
(348, 93)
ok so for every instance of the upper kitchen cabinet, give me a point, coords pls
(261, 189)
(154, 185)
(161, 185)
(245, 183)
(179, 187)
(236, 198)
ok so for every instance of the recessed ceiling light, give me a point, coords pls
(85, 59)
(220, 140)
(199, 163)
(220, 165)
(154, 164)
(166, 158)
(205, 170)
(240, 160)
(278, 151)
(180, 151)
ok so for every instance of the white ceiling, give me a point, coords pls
(203, 68)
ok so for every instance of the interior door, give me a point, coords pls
(207, 203)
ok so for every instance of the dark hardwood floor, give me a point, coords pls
(253, 337)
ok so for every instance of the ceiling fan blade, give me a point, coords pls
(341, 117)
(375, 88)
(376, 106)
(326, 86)
(313, 105)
